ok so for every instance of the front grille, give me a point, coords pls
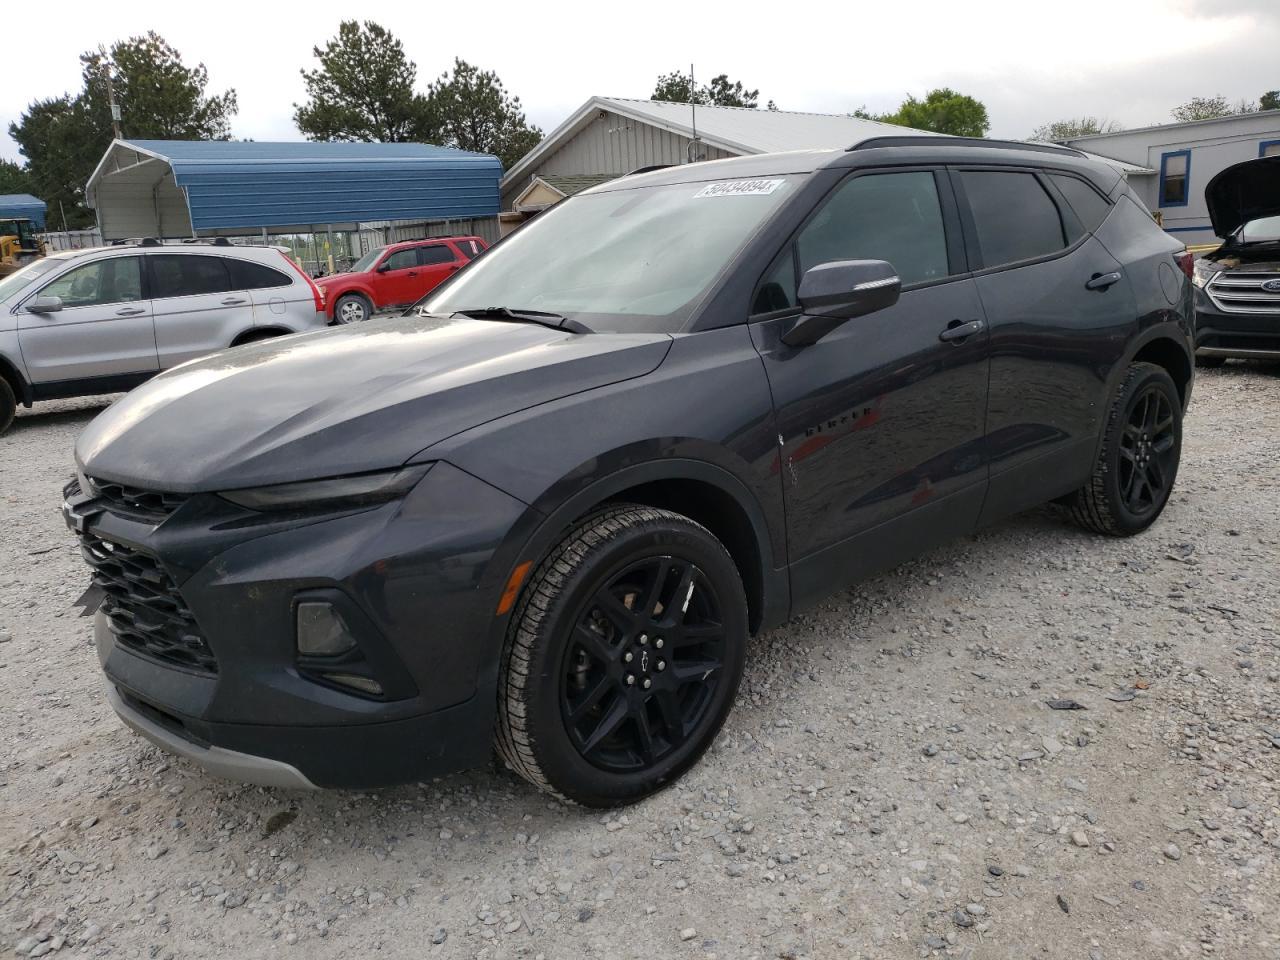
(143, 606)
(1240, 291)
(134, 501)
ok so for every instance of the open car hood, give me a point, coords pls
(1243, 192)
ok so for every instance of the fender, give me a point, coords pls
(9, 371)
(1171, 329)
(332, 296)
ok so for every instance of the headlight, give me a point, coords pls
(1202, 271)
(354, 491)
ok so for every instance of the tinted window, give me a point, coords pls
(1084, 200)
(430, 255)
(470, 249)
(888, 216)
(1015, 217)
(187, 276)
(402, 260)
(114, 280)
(777, 290)
(246, 275)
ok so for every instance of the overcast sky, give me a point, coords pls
(1126, 60)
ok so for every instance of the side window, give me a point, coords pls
(884, 216)
(1085, 201)
(402, 259)
(434, 254)
(187, 276)
(1015, 217)
(111, 280)
(1175, 170)
(777, 290)
(247, 275)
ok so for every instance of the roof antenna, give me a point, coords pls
(691, 152)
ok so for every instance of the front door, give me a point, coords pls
(398, 278)
(880, 423)
(103, 331)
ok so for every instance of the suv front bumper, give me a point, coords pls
(1221, 333)
(417, 581)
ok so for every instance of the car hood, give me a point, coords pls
(344, 400)
(1243, 192)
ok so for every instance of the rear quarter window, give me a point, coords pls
(1084, 200)
(247, 275)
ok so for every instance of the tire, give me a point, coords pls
(568, 720)
(8, 405)
(1138, 463)
(1210, 363)
(352, 308)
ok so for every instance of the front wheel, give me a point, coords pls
(8, 405)
(622, 658)
(352, 308)
(1138, 463)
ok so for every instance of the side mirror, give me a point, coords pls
(45, 305)
(384, 266)
(834, 292)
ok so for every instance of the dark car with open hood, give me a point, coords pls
(548, 508)
(1238, 285)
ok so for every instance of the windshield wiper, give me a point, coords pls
(553, 320)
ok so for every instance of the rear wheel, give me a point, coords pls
(8, 405)
(622, 658)
(1136, 468)
(352, 308)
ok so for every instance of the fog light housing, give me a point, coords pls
(321, 631)
(355, 682)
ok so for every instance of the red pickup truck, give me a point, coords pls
(395, 275)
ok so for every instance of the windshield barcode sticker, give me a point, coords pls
(738, 188)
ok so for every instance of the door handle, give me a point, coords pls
(956, 330)
(413, 273)
(129, 311)
(233, 301)
(1100, 281)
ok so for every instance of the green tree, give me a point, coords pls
(363, 90)
(160, 97)
(942, 111)
(677, 87)
(1203, 108)
(1269, 100)
(1074, 127)
(64, 138)
(471, 110)
(14, 178)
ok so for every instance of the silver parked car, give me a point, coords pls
(104, 320)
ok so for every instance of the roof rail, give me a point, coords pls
(136, 242)
(907, 140)
(211, 241)
(649, 169)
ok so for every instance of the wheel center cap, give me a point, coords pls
(644, 661)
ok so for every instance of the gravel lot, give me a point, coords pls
(891, 784)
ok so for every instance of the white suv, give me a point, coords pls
(104, 320)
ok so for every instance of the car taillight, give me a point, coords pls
(1187, 261)
(317, 294)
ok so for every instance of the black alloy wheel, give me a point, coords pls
(1148, 452)
(643, 663)
(622, 658)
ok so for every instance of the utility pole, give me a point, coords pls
(111, 94)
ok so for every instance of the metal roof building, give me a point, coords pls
(185, 188)
(19, 206)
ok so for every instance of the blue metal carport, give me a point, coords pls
(18, 206)
(185, 188)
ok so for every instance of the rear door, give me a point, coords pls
(1060, 311)
(437, 263)
(104, 329)
(881, 423)
(277, 297)
(197, 310)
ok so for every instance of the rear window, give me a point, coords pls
(247, 275)
(187, 276)
(1084, 200)
(1015, 217)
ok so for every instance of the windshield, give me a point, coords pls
(32, 271)
(367, 261)
(1262, 230)
(622, 261)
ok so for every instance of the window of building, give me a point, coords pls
(886, 216)
(1014, 215)
(187, 276)
(1269, 148)
(111, 280)
(436, 254)
(1175, 176)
